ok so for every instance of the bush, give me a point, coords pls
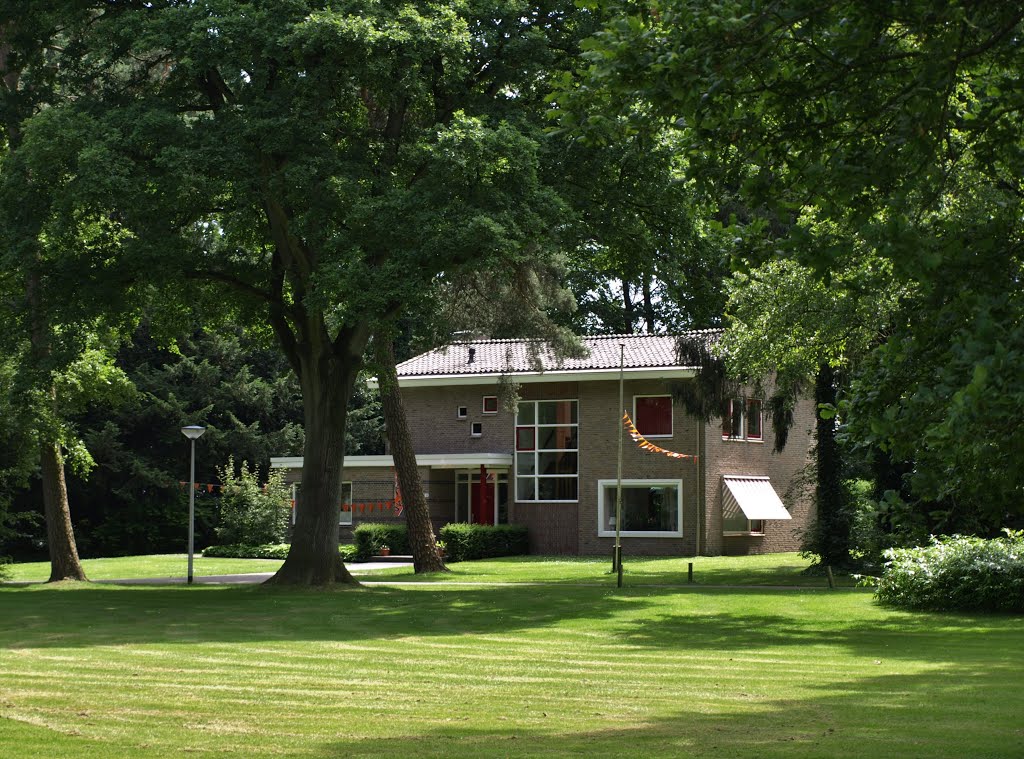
(250, 513)
(267, 551)
(956, 573)
(5, 570)
(465, 542)
(370, 537)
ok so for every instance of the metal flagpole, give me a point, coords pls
(618, 487)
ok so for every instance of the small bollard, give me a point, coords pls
(689, 572)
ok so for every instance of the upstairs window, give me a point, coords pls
(547, 451)
(490, 405)
(652, 415)
(744, 420)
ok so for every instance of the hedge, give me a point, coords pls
(268, 551)
(465, 542)
(956, 573)
(370, 537)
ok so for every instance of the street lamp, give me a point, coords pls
(193, 432)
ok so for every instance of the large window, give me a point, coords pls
(547, 451)
(738, 524)
(743, 420)
(652, 415)
(650, 508)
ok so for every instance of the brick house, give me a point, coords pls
(551, 463)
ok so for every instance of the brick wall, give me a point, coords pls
(572, 528)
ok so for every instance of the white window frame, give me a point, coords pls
(535, 451)
(351, 500)
(461, 412)
(476, 429)
(483, 405)
(743, 533)
(744, 403)
(671, 414)
(603, 484)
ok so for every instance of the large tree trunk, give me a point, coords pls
(327, 377)
(422, 542)
(60, 537)
(833, 519)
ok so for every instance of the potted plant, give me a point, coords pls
(384, 550)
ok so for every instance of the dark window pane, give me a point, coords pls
(754, 419)
(556, 488)
(525, 413)
(556, 463)
(556, 438)
(526, 463)
(644, 509)
(525, 489)
(556, 412)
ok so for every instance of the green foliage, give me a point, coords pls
(465, 542)
(5, 571)
(268, 551)
(252, 513)
(956, 574)
(371, 537)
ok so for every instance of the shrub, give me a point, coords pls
(267, 551)
(956, 573)
(465, 542)
(250, 513)
(4, 567)
(371, 536)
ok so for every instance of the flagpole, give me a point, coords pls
(618, 486)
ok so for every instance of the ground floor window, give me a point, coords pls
(738, 524)
(650, 508)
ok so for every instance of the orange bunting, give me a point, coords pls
(646, 445)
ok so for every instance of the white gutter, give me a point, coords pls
(433, 460)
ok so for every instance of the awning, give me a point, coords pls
(754, 496)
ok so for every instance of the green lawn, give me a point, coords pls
(768, 570)
(772, 569)
(515, 670)
(160, 565)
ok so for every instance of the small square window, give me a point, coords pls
(461, 412)
(490, 404)
(476, 429)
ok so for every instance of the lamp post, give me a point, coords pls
(193, 432)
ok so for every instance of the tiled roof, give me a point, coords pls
(514, 356)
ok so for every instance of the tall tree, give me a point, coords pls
(56, 346)
(320, 166)
(901, 124)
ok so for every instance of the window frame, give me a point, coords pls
(671, 416)
(750, 531)
(603, 484)
(745, 403)
(476, 429)
(483, 405)
(535, 452)
(462, 412)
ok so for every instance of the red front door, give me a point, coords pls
(483, 499)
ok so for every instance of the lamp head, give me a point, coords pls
(193, 431)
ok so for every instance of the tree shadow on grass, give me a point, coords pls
(651, 618)
(949, 712)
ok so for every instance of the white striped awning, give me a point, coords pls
(754, 496)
